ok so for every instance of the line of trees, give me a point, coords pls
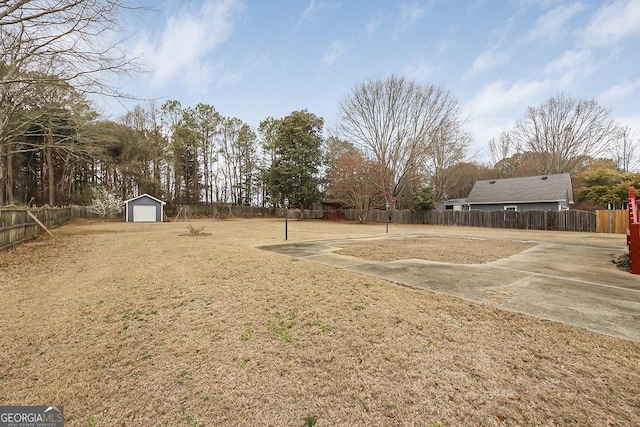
(52, 53)
(190, 155)
(397, 143)
(409, 146)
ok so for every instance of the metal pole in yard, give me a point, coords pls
(286, 219)
(386, 215)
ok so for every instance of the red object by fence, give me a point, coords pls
(633, 232)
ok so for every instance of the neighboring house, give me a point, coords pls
(452, 205)
(542, 193)
(144, 208)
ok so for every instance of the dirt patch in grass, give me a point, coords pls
(455, 250)
(129, 324)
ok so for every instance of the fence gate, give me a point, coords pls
(609, 221)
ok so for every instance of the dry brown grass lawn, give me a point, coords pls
(136, 325)
(434, 248)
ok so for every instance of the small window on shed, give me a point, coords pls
(510, 208)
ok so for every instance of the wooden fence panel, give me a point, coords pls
(87, 213)
(229, 211)
(523, 220)
(612, 221)
(16, 226)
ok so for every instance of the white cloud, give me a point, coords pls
(315, 7)
(334, 52)
(419, 70)
(570, 60)
(570, 65)
(552, 25)
(620, 91)
(475, 5)
(228, 74)
(373, 25)
(613, 22)
(540, 3)
(483, 130)
(488, 59)
(186, 40)
(499, 105)
(498, 97)
(410, 13)
(444, 45)
(447, 41)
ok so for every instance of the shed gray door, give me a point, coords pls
(144, 213)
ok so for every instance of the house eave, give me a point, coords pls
(517, 201)
(143, 195)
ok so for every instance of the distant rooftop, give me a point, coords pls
(541, 188)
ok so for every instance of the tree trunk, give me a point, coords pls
(9, 178)
(156, 177)
(176, 180)
(50, 169)
(3, 176)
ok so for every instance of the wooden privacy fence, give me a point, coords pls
(230, 211)
(87, 213)
(524, 220)
(612, 221)
(16, 225)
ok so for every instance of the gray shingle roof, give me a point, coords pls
(547, 188)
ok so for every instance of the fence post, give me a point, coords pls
(610, 230)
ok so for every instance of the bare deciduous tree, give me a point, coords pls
(395, 121)
(68, 40)
(48, 42)
(499, 151)
(447, 149)
(564, 131)
(624, 151)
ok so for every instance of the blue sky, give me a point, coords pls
(252, 59)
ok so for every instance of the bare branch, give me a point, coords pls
(563, 132)
(396, 121)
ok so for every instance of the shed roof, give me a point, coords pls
(541, 188)
(144, 195)
(453, 202)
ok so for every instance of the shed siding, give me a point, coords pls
(143, 201)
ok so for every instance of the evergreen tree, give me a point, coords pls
(295, 171)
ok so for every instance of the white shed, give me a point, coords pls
(144, 208)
